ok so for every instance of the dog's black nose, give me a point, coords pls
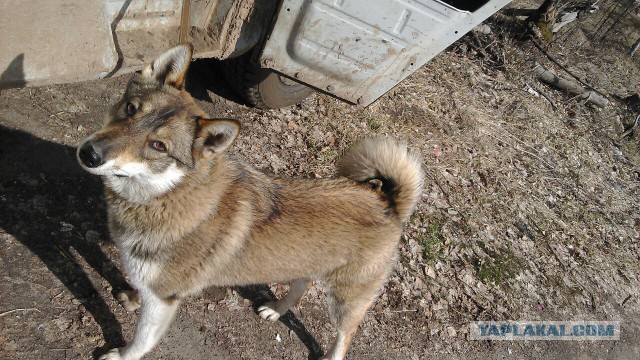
(89, 156)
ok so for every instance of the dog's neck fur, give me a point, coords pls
(159, 216)
(167, 218)
(150, 232)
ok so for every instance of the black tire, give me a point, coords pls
(263, 88)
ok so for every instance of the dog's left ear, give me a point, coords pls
(171, 67)
(214, 136)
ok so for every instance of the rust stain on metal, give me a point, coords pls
(219, 39)
(240, 12)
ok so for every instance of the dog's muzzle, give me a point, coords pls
(89, 156)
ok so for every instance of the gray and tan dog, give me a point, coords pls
(186, 215)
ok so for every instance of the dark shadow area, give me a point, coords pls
(260, 294)
(207, 75)
(518, 12)
(13, 75)
(466, 5)
(49, 204)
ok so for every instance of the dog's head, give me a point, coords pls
(156, 134)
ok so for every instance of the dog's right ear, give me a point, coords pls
(214, 136)
(171, 67)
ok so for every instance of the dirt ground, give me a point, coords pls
(528, 212)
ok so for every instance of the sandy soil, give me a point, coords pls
(528, 213)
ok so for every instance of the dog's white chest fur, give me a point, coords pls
(142, 270)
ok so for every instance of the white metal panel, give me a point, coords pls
(57, 41)
(359, 49)
(66, 40)
(149, 15)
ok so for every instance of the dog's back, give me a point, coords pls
(275, 230)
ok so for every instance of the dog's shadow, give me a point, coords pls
(54, 209)
(50, 205)
(260, 294)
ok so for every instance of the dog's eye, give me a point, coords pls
(158, 146)
(131, 109)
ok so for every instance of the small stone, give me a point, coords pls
(378, 309)
(66, 227)
(451, 331)
(441, 305)
(293, 126)
(62, 323)
(331, 139)
(94, 338)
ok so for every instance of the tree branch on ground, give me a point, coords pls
(554, 80)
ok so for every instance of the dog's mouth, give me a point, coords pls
(120, 174)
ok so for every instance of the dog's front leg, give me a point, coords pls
(155, 317)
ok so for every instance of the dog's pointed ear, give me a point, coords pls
(171, 67)
(214, 135)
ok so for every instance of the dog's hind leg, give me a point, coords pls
(155, 317)
(273, 310)
(348, 304)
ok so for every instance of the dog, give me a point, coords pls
(186, 215)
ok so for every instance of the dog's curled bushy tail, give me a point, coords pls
(387, 165)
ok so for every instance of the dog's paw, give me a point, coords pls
(130, 300)
(269, 311)
(113, 354)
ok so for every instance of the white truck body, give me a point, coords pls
(353, 49)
